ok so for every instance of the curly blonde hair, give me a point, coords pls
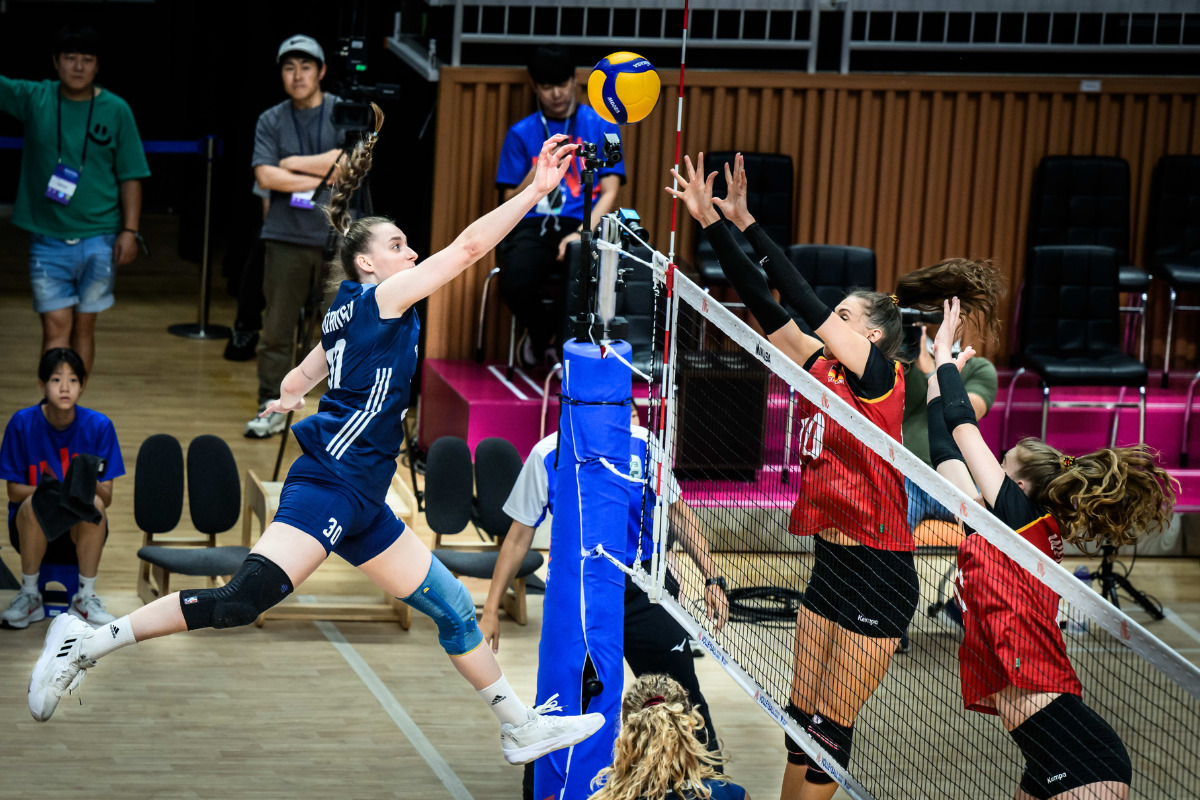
(1111, 496)
(657, 751)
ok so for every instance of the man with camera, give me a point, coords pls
(295, 148)
(529, 254)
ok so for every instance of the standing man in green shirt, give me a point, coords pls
(80, 191)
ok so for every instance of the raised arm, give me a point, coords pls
(957, 410)
(847, 345)
(403, 289)
(696, 193)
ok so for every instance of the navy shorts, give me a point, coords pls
(314, 501)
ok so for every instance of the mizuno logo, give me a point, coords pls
(679, 647)
(499, 698)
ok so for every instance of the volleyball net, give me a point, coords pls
(762, 450)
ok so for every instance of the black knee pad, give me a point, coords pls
(258, 585)
(795, 754)
(837, 741)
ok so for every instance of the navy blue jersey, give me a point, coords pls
(357, 430)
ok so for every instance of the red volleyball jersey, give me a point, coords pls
(845, 485)
(1012, 634)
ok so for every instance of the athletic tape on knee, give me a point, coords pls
(257, 586)
(837, 741)
(444, 599)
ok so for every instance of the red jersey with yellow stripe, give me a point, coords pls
(1011, 618)
(844, 485)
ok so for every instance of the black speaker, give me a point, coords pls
(721, 407)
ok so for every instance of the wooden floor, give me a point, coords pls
(296, 709)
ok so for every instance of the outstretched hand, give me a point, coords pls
(734, 205)
(552, 164)
(278, 407)
(943, 343)
(696, 191)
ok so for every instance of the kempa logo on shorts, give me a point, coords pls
(1057, 777)
(861, 618)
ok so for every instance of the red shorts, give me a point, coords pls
(1012, 636)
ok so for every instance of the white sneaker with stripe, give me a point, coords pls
(61, 667)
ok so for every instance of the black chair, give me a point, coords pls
(832, 270)
(451, 505)
(1084, 200)
(771, 186)
(1173, 238)
(1070, 333)
(214, 503)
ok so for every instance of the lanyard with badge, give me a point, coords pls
(305, 199)
(64, 181)
(553, 202)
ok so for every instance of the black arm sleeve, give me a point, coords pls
(791, 284)
(957, 407)
(942, 447)
(877, 379)
(746, 279)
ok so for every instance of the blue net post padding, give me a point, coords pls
(583, 613)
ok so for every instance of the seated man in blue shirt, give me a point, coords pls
(539, 242)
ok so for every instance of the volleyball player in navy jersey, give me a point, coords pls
(333, 499)
(863, 588)
(1013, 660)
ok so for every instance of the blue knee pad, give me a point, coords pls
(443, 598)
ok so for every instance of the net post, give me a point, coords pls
(666, 434)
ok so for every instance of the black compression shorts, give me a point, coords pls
(867, 591)
(1067, 745)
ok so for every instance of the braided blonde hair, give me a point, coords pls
(356, 234)
(657, 751)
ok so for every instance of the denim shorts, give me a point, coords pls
(71, 272)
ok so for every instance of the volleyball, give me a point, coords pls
(623, 87)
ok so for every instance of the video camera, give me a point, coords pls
(912, 319)
(352, 114)
(607, 155)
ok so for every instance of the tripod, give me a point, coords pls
(1110, 582)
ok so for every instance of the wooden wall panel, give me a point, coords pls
(918, 168)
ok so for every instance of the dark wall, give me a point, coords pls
(191, 68)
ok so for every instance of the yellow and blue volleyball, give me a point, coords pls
(624, 87)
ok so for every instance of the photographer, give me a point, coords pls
(295, 148)
(530, 252)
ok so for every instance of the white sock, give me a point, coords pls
(103, 640)
(29, 582)
(87, 586)
(504, 702)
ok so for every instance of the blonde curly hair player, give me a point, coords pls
(657, 755)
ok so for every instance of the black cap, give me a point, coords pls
(551, 64)
(77, 39)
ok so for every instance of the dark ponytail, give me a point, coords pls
(976, 284)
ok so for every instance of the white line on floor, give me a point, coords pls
(396, 711)
(1179, 622)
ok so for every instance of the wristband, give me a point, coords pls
(717, 581)
(957, 407)
(138, 237)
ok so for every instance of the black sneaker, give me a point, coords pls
(241, 346)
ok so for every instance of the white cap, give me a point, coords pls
(300, 44)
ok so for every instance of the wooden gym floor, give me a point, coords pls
(295, 709)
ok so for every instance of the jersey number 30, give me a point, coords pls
(334, 357)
